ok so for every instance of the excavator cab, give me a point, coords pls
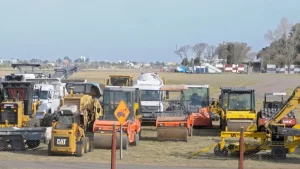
(238, 109)
(102, 128)
(119, 80)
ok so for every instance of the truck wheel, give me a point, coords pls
(87, 145)
(33, 143)
(3, 144)
(49, 149)
(125, 143)
(18, 144)
(79, 148)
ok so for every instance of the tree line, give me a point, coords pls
(283, 49)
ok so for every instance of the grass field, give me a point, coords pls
(151, 152)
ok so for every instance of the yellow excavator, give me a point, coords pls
(18, 125)
(72, 131)
(119, 80)
(277, 138)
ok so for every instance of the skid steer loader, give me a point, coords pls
(72, 131)
(175, 123)
(103, 127)
(18, 123)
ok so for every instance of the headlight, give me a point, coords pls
(182, 124)
(161, 125)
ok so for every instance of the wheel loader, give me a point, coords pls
(119, 80)
(270, 107)
(72, 131)
(103, 127)
(18, 123)
(175, 123)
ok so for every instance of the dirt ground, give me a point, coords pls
(149, 151)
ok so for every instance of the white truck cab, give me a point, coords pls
(151, 96)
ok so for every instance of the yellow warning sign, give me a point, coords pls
(122, 112)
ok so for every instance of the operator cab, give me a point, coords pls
(197, 95)
(112, 97)
(237, 99)
(67, 116)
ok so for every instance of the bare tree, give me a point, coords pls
(199, 49)
(240, 52)
(282, 40)
(183, 52)
(210, 54)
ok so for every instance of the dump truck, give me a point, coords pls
(270, 107)
(18, 123)
(103, 127)
(175, 123)
(198, 95)
(72, 131)
(119, 80)
(151, 96)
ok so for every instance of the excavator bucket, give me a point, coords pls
(172, 129)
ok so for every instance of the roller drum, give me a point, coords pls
(172, 134)
(235, 125)
(104, 141)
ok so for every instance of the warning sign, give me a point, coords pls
(122, 112)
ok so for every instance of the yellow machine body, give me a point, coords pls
(119, 80)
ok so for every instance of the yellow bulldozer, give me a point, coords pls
(72, 131)
(18, 125)
(119, 80)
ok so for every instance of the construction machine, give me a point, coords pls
(72, 131)
(18, 123)
(238, 109)
(103, 127)
(270, 107)
(175, 123)
(151, 96)
(119, 80)
(198, 95)
(277, 138)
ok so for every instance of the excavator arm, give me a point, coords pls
(290, 104)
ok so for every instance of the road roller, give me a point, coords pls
(103, 127)
(72, 129)
(238, 109)
(175, 123)
(198, 95)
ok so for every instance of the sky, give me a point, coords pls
(139, 30)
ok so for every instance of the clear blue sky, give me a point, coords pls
(142, 30)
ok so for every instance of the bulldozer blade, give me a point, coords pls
(172, 134)
(104, 141)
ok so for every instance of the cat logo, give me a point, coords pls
(61, 141)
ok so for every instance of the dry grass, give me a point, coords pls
(150, 151)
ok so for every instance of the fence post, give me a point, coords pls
(241, 159)
(113, 148)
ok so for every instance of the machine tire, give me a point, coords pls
(49, 149)
(218, 152)
(18, 144)
(33, 143)
(3, 144)
(87, 145)
(191, 132)
(33, 123)
(80, 148)
(125, 144)
(91, 146)
(278, 153)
